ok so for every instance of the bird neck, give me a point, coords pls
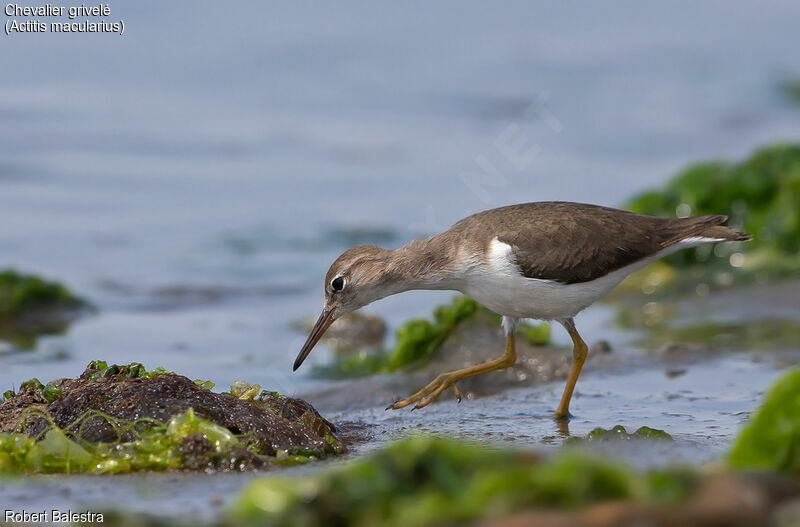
(421, 264)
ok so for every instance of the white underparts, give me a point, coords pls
(509, 325)
(694, 241)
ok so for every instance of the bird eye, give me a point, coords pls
(337, 284)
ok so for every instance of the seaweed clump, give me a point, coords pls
(429, 481)
(761, 195)
(118, 419)
(31, 306)
(771, 439)
(619, 433)
(419, 339)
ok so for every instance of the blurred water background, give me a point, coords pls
(195, 177)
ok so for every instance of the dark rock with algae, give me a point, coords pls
(129, 417)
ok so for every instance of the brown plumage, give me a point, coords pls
(574, 242)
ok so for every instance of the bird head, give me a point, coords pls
(354, 280)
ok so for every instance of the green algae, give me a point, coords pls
(418, 341)
(49, 392)
(430, 481)
(538, 335)
(31, 306)
(208, 385)
(761, 195)
(100, 369)
(32, 383)
(157, 447)
(22, 293)
(245, 391)
(771, 439)
(619, 433)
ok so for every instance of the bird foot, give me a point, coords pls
(429, 393)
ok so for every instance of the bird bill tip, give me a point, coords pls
(323, 322)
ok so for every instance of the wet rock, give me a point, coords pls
(619, 433)
(601, 346)
(787, 514)
(198, 453)
(761, 334)
(350, 333)
(682, 349)
(169, 395)
(18, 412)
(674, 373)
(114, 404)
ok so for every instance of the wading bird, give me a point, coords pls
(544, 260)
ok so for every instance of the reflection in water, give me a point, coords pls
(562, 427)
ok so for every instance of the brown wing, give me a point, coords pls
(571, 242)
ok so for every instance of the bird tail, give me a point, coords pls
(704, 227)
(726, 233)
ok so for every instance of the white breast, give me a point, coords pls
(498, 284)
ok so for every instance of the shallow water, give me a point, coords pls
(195, 177)
(197, 192)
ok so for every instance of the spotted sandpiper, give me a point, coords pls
(544, 260)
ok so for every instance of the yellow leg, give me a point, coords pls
(579, 352)
(428, 394)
